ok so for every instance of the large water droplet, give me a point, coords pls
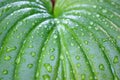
(11, 49)
(46, 77)
(115, 60)
(33, 54)
(48, 67)
(5, 72)
(52, 57)
(30, 65)
(101, 67)
(7, 58)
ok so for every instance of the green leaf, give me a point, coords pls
(74, 40)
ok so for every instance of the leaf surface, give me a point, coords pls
(75, 40)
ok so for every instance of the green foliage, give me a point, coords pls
(78, 40)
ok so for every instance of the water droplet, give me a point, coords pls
(101, 67)
(91, 23)
(48, 67)
(89, 27)
(78, 64)
(5, 72)
(30, 65)
(18, 37)
(61, 57)
(96, 28)
(97, 15)
(11, 49)
(115, 60)
(55, 36)
(18, 60)
(77, 57)
(52, 57)
(82, 34)
(94, 6)
(7, 58)
(83, 76)
(118, 37)
(52, 50)
(33, 54)
(33, 24)
(72, 44)
(46, 77)
(104, 10)
(30, 46)
(86, 42)
(37, 74)
(91, 78)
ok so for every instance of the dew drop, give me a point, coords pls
(78, 65)
(46, 77)
(101, 67)
(104, 10)
(30, 65)
(33, 24)
(52, 57)
(7, 58)
(89, 27)
(11, 49)
(91, 23)
(18, 60)
(37, 74)
(86, 42)
(61, 57)
(118, 37)
(94, 6)
(18, 37)
(97, 15)
(96, 28)
(77, 57)
(91, 77)
(33, 54)
(82, 34)
(55, 36)
(83, 76)
(5, 72)
(48, 67)
(30, 46)
(52, 50)
(72, 44)
(115, 60)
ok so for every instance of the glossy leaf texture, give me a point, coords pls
(77, 40)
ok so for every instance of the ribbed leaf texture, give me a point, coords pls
(75, 40)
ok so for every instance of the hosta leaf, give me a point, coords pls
(74, 40)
